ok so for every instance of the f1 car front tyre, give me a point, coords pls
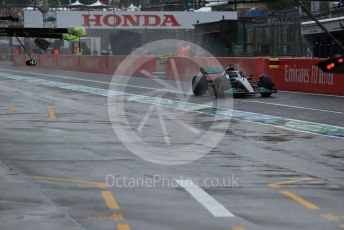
(265, 94)
(199, 85)
(267, 84)
(221, 85)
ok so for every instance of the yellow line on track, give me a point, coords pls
(123, 227)
(238, 228)
(110, 200)
(9, 109)
(52, 114)
(118, 216)
(80, 182)
(330, 217)
(289, 182)
(107, 195)
(300, 200)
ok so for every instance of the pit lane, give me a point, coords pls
(81, 145)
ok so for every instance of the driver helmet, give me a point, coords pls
(229, 67)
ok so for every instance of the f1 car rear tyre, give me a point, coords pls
(199, 85)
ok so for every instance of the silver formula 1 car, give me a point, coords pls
(222, 81)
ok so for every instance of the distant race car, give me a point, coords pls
(222, 81)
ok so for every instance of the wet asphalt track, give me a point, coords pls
(57, 146)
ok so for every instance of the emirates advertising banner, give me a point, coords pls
(129, 20)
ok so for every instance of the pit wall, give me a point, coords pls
(302, 75)
(92, 64)
(293, 74)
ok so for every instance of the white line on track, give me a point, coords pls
(213, 206)
(290, 106)
(315, 94)
(95, 81)
(185, 93)
(87, 89)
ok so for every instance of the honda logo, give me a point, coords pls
(130, 20)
